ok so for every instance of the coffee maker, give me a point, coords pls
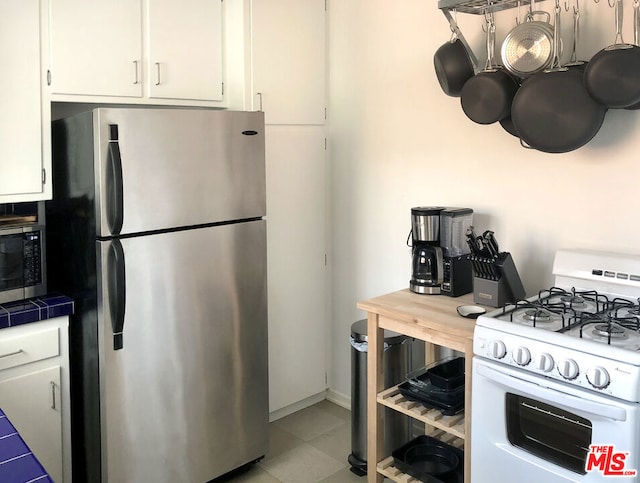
(439, 251)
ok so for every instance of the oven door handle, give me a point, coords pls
(568, 401)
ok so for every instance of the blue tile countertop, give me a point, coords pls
(34, 310)
(17, 463)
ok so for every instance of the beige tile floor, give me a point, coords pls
(309, 446)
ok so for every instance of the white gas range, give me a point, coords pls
(556, 383)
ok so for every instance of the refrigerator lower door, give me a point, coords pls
(183, 373)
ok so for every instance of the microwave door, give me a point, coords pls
(22, 263)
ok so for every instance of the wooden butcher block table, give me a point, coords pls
(433, 319)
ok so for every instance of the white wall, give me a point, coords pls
(396, 141)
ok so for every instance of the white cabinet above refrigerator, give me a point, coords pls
(142, 52)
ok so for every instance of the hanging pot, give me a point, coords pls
(486, 97)
(527, 48)
(453, 66)
(552, 111)
(507, 125)
(612, 76)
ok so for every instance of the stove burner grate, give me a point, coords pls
(609, 330)
(537, 315)
(574, 299)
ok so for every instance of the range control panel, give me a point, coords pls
(597, 373)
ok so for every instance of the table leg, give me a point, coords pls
(375, 384)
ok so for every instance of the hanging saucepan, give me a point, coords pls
(453, 64)
(527, 48)
(552, 111)
(612, 76)
(636, 39)
(486, 97)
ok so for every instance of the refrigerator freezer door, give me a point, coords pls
(166, 168)
(184, 389)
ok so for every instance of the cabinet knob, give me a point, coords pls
(157, 73)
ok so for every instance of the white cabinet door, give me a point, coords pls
(185, 49)
(296, 241)
(96, 47)
(25, 136)
(33, 404)
(289, 60)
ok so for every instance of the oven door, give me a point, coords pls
(531, 429)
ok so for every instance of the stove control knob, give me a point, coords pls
(521, 356)
(497, 349)
(598, 377)
(545, 362)
(568, 368)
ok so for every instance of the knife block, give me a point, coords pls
(506, 289)
(492, 293)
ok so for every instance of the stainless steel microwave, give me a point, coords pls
(22, 262)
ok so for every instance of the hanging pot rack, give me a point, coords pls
(479, 7)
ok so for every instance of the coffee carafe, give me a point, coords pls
(426, 276)
(439, 251)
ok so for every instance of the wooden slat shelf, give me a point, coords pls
(393, 399)
(387, 468)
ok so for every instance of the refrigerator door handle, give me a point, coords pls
(117, 291)
(115, 195)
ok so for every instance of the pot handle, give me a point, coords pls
(531, 15)
(491, 41)
(636, 19)
(456, 30)
(556, 37)
(618, 15)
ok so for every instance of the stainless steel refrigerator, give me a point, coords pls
(157, 230)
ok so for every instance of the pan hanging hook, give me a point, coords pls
(612, 5)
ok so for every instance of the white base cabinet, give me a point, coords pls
(34, 390)
(25, 137)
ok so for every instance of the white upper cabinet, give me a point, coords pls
(137, 51)
(96, 47)
(185, 49)
(289, 60)
(25, 137)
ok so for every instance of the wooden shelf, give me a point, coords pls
(393, 399)
(433, 319)
(387, 468)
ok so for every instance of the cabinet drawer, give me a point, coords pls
(22, 349)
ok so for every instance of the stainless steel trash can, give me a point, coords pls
(396, 363)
